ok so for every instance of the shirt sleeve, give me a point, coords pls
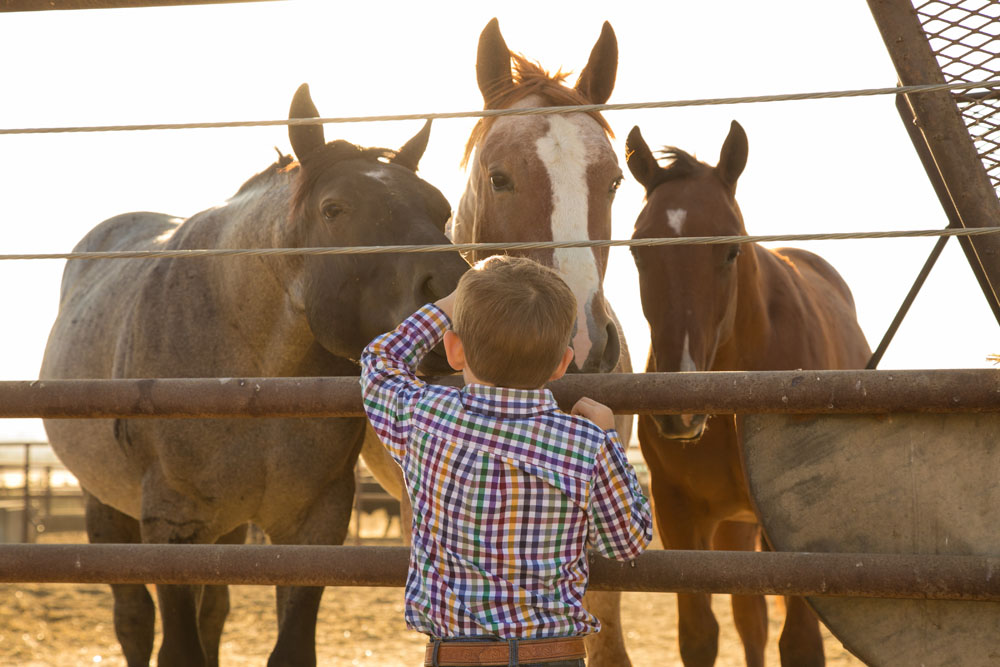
(620, 523)
(390, 388)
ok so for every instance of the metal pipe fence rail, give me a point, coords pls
(912, 576)
(900, 576)
(740, 392)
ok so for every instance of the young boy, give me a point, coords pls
(508, 492)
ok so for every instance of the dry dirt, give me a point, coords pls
(44, 625)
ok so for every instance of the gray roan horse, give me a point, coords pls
(553, 177)
(201, 481)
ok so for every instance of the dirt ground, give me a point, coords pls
(43, 625)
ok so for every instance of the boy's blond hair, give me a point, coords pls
(515, 318)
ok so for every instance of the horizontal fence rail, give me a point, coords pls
(945, 577)
(741, 392)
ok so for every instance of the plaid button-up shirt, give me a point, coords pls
(508, 492)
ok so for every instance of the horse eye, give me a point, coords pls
(615, 184)
(331, 210)
(500, 181)
(734, 252)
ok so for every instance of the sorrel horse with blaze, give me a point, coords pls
(552, 177)
(725, 308)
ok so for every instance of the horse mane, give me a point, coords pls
(324, 157)
(280, 165)
(529, 78)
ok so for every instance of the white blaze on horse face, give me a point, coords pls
(676, 218)
(687, 364)
(378, 174)
(564, 152)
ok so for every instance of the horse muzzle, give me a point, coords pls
(680, 427)
(435, 362)
(605, 354)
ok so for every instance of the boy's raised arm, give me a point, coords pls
(390, 388)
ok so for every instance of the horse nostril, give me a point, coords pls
(612, 349)
(427, 291)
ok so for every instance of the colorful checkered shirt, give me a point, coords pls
(508, 492)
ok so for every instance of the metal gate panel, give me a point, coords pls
(885, 484)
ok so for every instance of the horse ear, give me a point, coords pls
(304, 138)
(597, 79)
(409, 155)
(492, 63)
(733, 157)
(640, 160)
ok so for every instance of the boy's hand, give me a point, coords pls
(596, 412)
(446, 304)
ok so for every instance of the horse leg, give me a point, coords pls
(387, 473)
(214, 606)
(607, 647)
(801, 643)
(749, 611)
(679, 528)
(179, 615)
(296, 645)
(134, 612)
(327, 523)
(169, 517)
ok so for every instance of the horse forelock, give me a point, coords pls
(529, 78)
(680, 164)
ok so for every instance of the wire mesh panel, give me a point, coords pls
(954, 42)
(965, 39)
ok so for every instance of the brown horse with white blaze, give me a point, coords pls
(552, 177)
(725, 307)
(547, 178)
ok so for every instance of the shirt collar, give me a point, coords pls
(504, 402)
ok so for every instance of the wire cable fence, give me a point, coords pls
(989, 86)
(501, 246)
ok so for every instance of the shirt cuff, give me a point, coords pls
(432, 322)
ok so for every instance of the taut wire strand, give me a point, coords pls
(482, 113)
(499, 247)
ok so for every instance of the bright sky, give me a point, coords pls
(817, 166)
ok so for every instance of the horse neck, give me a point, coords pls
(255, 295)
(752, 324)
